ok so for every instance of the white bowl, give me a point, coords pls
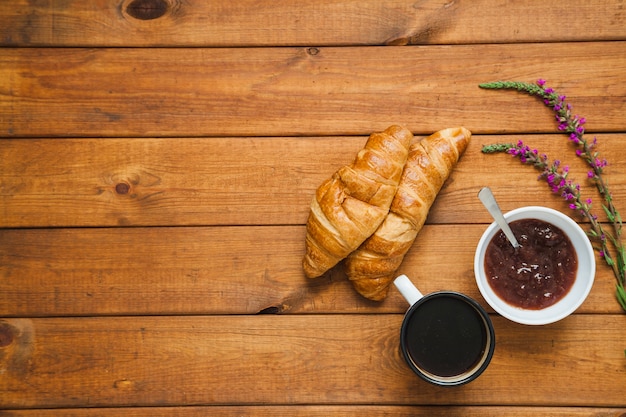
(584, 275)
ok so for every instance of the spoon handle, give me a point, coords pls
(489, 201)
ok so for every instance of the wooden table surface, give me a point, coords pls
(157, 162)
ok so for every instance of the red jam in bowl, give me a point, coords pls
(537, 274)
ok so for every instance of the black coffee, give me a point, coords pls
(446, 336)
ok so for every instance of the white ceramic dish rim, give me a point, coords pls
(575, 297)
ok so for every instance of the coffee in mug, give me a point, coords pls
(446, 338)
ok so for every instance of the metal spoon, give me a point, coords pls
(489, 201)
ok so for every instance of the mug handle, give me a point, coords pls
(410, 293)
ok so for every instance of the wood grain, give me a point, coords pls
(139, 361)
(301, 91)
(157, 161)
(325, 411)
(290, 22)
(249, 181)
(225, 270)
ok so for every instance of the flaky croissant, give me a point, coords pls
(349, 206)
(372, 267)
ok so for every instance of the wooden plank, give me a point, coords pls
(200, 181)
(301, 91)
(226, 270)
(290, 22)
(324, 411)
(251, 360)
(248, 181)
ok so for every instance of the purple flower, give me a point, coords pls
(598, 164)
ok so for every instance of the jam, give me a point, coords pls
(538, 273)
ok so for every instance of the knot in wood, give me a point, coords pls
(313, 51)
(6, 335)
(122, 188)
(147, 9)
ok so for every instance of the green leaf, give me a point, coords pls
(621, 296)
(609, 215)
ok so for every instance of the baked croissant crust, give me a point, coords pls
(350, 205)
(372, 267)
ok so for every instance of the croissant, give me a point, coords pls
(353, 202)
(372, 267)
